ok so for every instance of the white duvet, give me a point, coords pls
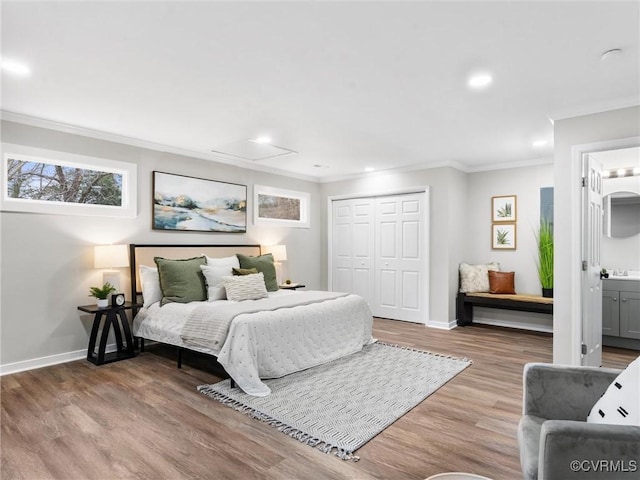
(271, 344)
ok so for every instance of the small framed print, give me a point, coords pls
(503, 208)
(503, 236)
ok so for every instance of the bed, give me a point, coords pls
(285, 332)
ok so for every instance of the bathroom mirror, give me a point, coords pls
(621, 214)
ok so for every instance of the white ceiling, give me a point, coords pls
(348, 85)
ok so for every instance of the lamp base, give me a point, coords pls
(113, 278)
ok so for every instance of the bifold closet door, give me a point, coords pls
(400, 258)
(352, 247)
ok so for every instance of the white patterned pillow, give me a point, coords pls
(150, 280)
(245, 287)
(475, 278)
(620, 403)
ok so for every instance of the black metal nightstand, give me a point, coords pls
(291, 286)
(115, 317)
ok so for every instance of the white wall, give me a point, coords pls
(587, 129)
(525, 182)
(47, 260)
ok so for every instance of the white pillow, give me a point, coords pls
(213, 277)
(151, 292)
(245, 287)
(620, 403)
(231, 262)
(475, 278)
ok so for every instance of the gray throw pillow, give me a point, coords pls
(181, 281)
(264, 264)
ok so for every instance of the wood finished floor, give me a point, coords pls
(142, 418)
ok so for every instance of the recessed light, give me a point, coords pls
(369, 169)
(636, 171)
(479, 81)
(15, 67)
(621, 172)
(262, 139)
(606, 174)
(539, 143)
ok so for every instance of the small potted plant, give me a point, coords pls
(102, 293)
(544, 239)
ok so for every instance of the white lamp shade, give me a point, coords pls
(279, 252)
(111, 256)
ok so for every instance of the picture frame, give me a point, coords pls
(504, 208)
(37, 180)
(503, 236)
(279, 207)
(192, 204)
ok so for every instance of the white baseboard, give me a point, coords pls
(32, 364)
(450, 325)
(518, 325)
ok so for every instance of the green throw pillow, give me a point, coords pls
(264, 264)
(181, 281)
(244, 271)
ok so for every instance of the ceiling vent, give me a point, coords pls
(252, 150)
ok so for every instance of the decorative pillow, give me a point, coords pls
(150, 281)
(244, 271)
(213, 277)
(619, 404)
(475, 278)
(501, 282)
(245, 287)
(264, 264)
(231, 262)
(181, 281)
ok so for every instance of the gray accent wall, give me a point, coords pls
(47, 260)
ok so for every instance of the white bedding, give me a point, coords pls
(271, 344)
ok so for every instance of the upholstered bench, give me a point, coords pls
(521, 302)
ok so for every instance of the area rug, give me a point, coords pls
(339, 406)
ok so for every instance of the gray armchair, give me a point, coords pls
(553, 431)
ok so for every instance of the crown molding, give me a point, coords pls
(598, 107)
(136, 142)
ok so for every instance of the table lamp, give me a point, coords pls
(110, 257)
(279, 253)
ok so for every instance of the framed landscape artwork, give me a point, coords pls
(198, 205)
(503, 236)
(503, 208)
(278, 207)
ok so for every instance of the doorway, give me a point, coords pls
(587, 320)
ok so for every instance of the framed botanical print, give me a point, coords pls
(504, 208)
(503, 236)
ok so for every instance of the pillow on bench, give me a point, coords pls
(502, 282)
(475, 278)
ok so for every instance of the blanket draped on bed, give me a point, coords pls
(208, 325)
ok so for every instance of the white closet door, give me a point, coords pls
(353, 236)
(400, 258)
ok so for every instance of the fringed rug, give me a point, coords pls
(340, 406)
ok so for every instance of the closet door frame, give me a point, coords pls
(385, 193)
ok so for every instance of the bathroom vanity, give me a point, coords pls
(621, 312)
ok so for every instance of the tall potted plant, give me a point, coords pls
(544, 239)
